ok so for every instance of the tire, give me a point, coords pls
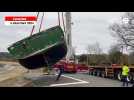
(119, 76)
(74, 71)
(116, 75)
(91, 72)
(98, 73)
(103, 74)
(95, 73)
(130, 78)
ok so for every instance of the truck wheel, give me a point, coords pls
(130, 78)
(91, 72)
(74, 71)
(103, 74)
(94, 73)
(98, 73)
(116, 75)
(119, 76)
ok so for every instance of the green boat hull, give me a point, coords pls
(40, 50)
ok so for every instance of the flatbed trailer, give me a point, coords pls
(113, 72)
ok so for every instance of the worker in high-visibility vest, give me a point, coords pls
(125, 73)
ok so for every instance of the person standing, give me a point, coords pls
(61, 69)
(125, 73)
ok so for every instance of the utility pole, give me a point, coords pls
(68, 35)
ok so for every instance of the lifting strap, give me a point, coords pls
(63, 22)
(59, 18)
(41, 22)
(34, 25)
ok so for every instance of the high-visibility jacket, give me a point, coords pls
(125, 70)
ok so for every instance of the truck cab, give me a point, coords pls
(69, 66)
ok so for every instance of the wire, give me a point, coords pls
(34, 25)
(63, 22)
(41, 22)
(59, 18)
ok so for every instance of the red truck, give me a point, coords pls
(71, 66)
(82, 68)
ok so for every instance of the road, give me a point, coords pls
(94, 81)
(13, 75)
(72, 80)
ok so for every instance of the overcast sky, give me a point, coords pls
(88, 28)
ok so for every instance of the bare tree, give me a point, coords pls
(131, 58)
(123, 31)
(115, 55)
(93, 50)
(74, 54)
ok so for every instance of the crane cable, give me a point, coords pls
(63, 22)
(59, 18)
(34, 25)
(41, 22)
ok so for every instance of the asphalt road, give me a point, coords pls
(12, 75)
(72, 80)
(94, 81)
(37, 79)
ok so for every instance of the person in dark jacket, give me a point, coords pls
(61, 69)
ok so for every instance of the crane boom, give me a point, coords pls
(68, 35)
